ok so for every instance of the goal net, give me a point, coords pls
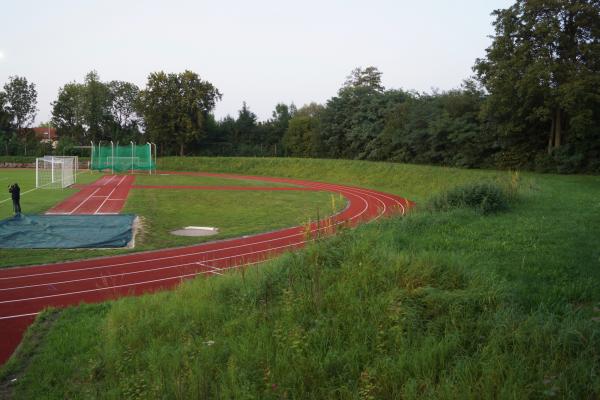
(55, 172)
(122, 158)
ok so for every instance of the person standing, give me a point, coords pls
(15, 191)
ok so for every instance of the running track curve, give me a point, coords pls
(26, 291)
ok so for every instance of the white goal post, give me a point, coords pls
(55, 172)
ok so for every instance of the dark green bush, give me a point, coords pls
(484, 197)
(17, 159)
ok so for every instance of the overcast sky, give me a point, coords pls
(259, 51)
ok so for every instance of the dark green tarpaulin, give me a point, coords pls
(66, 231)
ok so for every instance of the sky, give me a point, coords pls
(262, 52)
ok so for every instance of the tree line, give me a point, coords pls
(533, 102)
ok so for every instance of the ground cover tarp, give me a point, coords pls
(66, 231)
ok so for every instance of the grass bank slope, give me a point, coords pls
(416, 182)
(452, 304)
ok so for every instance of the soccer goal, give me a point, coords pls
(122, 158)
(55, 172)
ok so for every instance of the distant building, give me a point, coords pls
(47, 135)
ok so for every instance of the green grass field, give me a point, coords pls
(184, 180)
(36, 201)
(434, 305)
(235, 213)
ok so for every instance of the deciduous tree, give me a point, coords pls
(175, 106)
(20, 101)
(542, 72)
(68, 112)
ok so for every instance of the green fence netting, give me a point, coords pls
(121, 158)
(66, 231)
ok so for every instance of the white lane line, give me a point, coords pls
(376, 198)
(123, 274)
(241, 255)
(19, 315)
(330, 186)
(177, 277)
(304, 183)
(110, 194)
(83, 202)
(214, 270)
(270, 249)
(106, 182)
(366, 205)
(313, 230)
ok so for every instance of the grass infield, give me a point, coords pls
(451, 304)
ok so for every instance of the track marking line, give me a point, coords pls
(313, 230)
(110, 194)
(19, 316)
(83, 202)
(106, 182)
(212, 269)
(366, 204)
(122, 274)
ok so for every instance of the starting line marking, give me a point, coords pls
(213, 270)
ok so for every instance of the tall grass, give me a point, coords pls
(352, 317)
(483, 197)
(416, 182)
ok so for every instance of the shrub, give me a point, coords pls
(484, 197)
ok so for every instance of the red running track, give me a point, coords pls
(105, 196)
(25, 291)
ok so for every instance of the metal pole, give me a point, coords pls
(150, 154)
(37, 182)
(155, 150)
(112, 154)
(131, 156)
(92, 157)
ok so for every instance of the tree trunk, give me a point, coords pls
(557, 130)
(181, 152)
(555, 138)
(551, 137)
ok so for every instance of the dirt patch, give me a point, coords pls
(194, 231)
(140, 229)
(135, 232)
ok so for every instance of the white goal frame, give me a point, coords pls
(55, 172)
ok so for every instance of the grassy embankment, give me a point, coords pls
(438, 304)
(235, 213)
